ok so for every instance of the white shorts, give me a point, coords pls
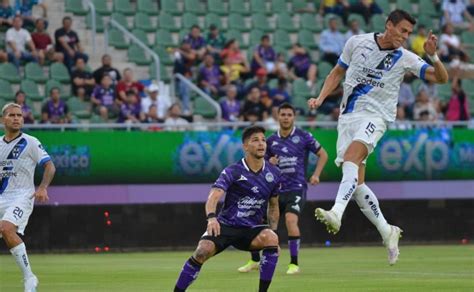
(16, 211)
(365, 128)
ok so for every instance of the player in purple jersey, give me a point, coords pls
(289, 149)
(250, 187)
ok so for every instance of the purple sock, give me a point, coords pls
(268, 264)
(189, 273)
(294, 246)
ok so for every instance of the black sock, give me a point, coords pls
(176, 289)
(293, 245)
(294, 260)
(255, 256)
(264, 286)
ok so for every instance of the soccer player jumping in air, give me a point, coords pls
(251, 186)
(19, 155)
(289, 149)
(374, 65)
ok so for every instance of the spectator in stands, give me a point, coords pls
(24, 8)
(67, 42)
(262, 84)
(20, 98)
(209, 76)
(107, 68)
(130, 111)
(185, 58)
(338, 7)
(264, 56)
(458, 106)
(44, 44)
(232, 52)
(253, 110)
(406, 97)
(232, 73)
(174, 121)
(424, 109)
(301, 66)
(6, 14)
(401, 121)
(331, 42)
(431, 89)
(215, 41)
(470, 8)
(455, 12)
(366, 8)
(280, 94)
(81, 78)
(104, 99)
(450, 47)
(196, 41)
(155, 106)
(17, 38)
(418, 41)
(229, 105)
(354, 29)
(128, 83)
(281, 67)
(55, 110)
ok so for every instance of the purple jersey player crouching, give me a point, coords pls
(250, 186)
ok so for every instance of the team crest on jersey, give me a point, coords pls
(17, 149)
(269, 177)
(390, 60)
(296, 139)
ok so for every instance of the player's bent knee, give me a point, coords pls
(7, 229)
(204, 251)
(291, 219)
(268, 238)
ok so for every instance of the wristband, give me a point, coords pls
(434, 58)
(211, 215)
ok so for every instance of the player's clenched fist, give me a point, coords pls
(314, 103)
(213, 227)
(274, 160)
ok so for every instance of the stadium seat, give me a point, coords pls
(9, 72)
(79, 108)
(31, 90)
(170, 6)
(164, 56)
(301, 89)
(6, 91)
(359, 18)
(299, 5)
(122, 20)
(308, 21)
(260, 21)
(279, 6)
(137, 55)
(166, 21)
(445, 91)
(306, 39)
(163, 73)
(142, 21)
(237, 22)
(101, 7)
(124, 7)
(56, 84)
(385, 6)
(237, 35)
(425, 20)
(324, 68)
(300, 103)
(281, 50)
(217, 7)
(238, 6)
(406, 5)
(285, 22)
(426, 7)
(189, 19)
(282, 38)
(259, 6)
(378, 23)
(329, 16)
(148, 6)
(75, 7)
(117, 39)
(203, 108)
(33, 71)
(212, 18)
(467, 38)
(254, 37)
(99, 22)
(59, 72)
(195, 7)
(164, 38)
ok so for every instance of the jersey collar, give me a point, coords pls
(380, 48)
(291, 134)
(8, 142)
(248, 168)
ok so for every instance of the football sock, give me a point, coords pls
(346, 188)
(369, 205)
(294, 246)
(21, 258)
(267, 267)
(255, 256)
(189, 273)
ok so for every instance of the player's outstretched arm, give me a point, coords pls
(273, 213)
(331, 83)
(213, 226)
(437, 73)
(41, 193)
(322, 160)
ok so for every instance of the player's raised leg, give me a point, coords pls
(205, 250)
(18, 250)
(267, 241)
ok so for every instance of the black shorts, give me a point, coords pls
(238, 237)
(292, 202)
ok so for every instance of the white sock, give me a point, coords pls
(350, 174)
(21, 258)
(369, 205)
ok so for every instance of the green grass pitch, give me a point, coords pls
(421, 268)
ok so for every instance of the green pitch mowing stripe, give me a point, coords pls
(421, 268)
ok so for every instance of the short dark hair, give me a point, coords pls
(67, 18)
(249, 131)
(264, 37)
(286, 105)
(398, 15)
(195, 26)
(53, 89)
